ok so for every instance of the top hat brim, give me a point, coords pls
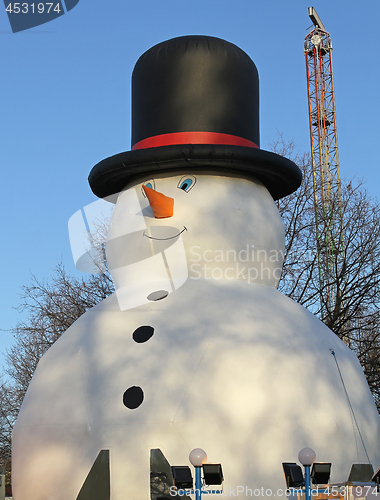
(278, 174)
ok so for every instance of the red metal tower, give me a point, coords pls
(325, 164)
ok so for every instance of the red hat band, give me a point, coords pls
(193, 138)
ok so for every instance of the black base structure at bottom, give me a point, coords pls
(97, 483)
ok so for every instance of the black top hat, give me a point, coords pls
(195, 106)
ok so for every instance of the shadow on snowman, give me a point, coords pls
(196, 348)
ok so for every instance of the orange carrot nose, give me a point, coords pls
(162, 205)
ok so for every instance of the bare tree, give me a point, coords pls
(51, 307)
(9, 408)
(354, 312)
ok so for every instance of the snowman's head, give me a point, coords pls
(195, 225)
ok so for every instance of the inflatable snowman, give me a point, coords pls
(197, 347)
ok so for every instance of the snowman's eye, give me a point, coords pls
(150, 184)
(186, 183)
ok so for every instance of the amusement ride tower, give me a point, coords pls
(325, 164)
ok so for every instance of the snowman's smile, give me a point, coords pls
(164, 238)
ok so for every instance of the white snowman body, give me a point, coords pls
(229, 364)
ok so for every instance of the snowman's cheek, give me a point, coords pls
(147, 212)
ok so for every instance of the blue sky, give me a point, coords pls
(65, 104)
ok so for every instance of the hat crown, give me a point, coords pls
(195, 84)
(195, 104)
